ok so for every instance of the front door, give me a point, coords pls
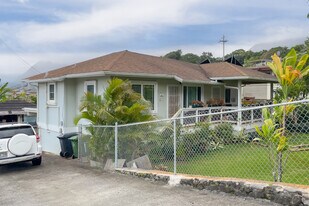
(173, 100)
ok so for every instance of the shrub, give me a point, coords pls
(225, 133)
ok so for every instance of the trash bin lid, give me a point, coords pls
(74, 138)
(68, 135)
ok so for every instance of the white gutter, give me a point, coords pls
(243, 78)
(30, 110)
(68, 76)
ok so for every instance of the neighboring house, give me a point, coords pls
(263, 91)
(168, 84)
(18, 111)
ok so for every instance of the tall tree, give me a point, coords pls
(190, 57)
(207, 55)
(174, 54)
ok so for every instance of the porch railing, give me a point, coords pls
(190, 116)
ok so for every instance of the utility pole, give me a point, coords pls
(223, 41)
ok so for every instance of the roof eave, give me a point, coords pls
(266, 80)
(68, 76)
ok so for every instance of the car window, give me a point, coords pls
(9, 132)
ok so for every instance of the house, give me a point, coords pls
(265, 91)
(167, 84)
(18, 111)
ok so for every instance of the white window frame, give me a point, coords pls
(51, 101)
(155, 84)
(212, 92)
(92, 82)
(190, 85)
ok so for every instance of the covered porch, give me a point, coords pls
(230, 103)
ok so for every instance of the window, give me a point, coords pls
(8, 132)
(191, 93)
(227, 95)
(90, 86)
(147, 91)
(216, 92)
(51, 93)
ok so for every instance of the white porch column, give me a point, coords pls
(239, 103)
(271, 91)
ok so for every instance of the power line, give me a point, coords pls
(19, 57)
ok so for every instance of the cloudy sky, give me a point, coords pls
(69, 31)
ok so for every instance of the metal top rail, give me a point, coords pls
(203, 115)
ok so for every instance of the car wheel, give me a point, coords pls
(61, 154)
(37, 161)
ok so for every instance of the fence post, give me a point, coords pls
(196, 116)
(175, 157)
(181, 120)
(80, 128)
(116, 145)
(252, 117)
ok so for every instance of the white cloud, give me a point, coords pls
(134, 15)
(122, 20)
(12, 64)
(125, 17)
(22, 1)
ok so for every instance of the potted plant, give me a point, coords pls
(197, 103)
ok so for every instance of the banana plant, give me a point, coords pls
(274, 138)
(271, 133)
(289, 73)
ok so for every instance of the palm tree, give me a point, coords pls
(3, 92)
(118, 104)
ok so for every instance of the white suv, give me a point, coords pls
(19, 143)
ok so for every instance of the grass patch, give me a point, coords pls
(248, 161)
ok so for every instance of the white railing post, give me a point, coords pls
(175, 157)
(210, 119)
(116, 145)
(196, 116)
(221, 115)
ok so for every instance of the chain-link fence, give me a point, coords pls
(96, 144)
(219, 144)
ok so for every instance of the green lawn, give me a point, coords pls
(248, 161)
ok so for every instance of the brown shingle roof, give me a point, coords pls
(134, 64)
(15, 105)
(226, 71)
(127, 62)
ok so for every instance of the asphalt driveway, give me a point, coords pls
(65, 182)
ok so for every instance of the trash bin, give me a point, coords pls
(74, 141)
(66, 145)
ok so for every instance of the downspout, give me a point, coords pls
(37, 106)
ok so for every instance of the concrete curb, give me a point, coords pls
(286, 194)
